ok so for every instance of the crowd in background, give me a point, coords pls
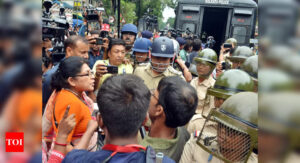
(145, 97)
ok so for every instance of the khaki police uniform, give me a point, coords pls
(193, 153)
(205, 103)
(136, 65)
(128, 56)
(151, 80)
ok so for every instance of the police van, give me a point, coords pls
(221, 19)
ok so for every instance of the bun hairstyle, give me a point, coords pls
(68, 67)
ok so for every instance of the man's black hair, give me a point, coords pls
(179, 100)
(123, 101)
(197, 45)
(188, 45)
(72, 33)
(113, 42)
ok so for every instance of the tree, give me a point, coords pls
(161, 24)
(133, 10)
(107, 4)
(171, 22)
(171, 3)
(128, 11)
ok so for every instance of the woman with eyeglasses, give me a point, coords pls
(71, 80)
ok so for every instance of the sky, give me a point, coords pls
(168, 12)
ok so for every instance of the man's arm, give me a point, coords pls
(186, 73)
(100, 69)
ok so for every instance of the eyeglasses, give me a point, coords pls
(90, 74)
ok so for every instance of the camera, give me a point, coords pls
(226, 66)
(54, 30)
(227, 45)
(112, 69)
(99, 41)
(210, 43)
(92, 14)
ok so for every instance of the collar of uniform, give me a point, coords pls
(160, 143)
(206, 82)
(148, 69)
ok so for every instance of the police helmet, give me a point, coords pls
(241, 54)
(162, 47)
(231, 82)
(129, 28)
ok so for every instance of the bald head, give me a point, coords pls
(76, 46)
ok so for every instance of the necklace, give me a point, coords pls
(80, 98)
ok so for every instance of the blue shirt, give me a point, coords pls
(93, 58)
(47, 77)
(82, 30)
(79, 156)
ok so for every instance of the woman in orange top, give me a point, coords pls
(72, 78)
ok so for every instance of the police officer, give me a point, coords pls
(239, 56)
(231, 136)
(275, 54)
(129, 32)
(278, 135)
(291, 65)
(227, 84)
(274, 80)
(159, 67)
(140, 51)
(251, 67)
(147, 34)
(206, 62)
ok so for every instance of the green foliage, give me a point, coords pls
(132, 10)
(171, 3)
(108, 7)
(171, 21)
(161, 24)
(128, 11)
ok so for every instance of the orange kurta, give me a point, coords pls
(77, 107)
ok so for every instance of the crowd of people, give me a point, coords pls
(145, 97)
